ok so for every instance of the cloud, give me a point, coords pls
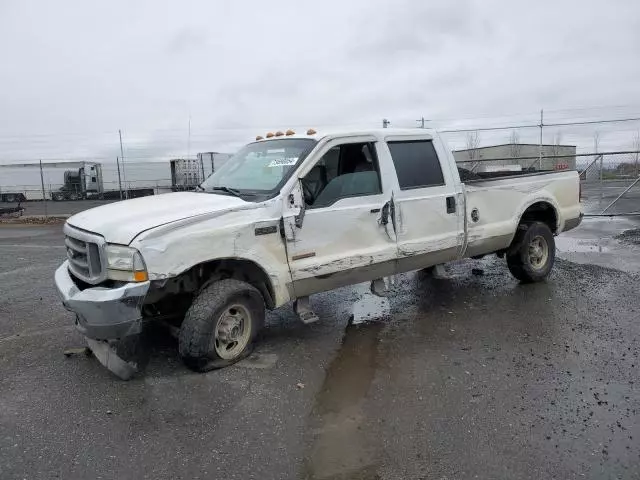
(185, 40)
(75, 73)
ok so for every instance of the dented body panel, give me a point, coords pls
(296, 250)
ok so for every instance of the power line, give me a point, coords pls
(513, 127)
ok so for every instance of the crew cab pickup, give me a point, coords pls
(292, 215)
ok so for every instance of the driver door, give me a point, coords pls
(337, 222)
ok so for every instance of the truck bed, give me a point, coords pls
(468, 176)
(500, 201)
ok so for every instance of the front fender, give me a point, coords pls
(173, 251)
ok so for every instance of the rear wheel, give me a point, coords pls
(74, 196)
(58, 197)
(532, 253)
(221, 325)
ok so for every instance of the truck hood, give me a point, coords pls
(121, 222)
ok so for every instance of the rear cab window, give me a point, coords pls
(416, 163)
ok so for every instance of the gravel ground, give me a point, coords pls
(630, 236)
(475, 376)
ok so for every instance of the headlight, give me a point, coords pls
(125, 264)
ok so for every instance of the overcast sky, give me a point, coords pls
(74, 72)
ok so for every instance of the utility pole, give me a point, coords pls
(44, 198)
(189, 142)
(421, 121)
(540, 148)
(119, 180)
(124, 174)
(385, 123)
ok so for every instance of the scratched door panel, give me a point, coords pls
(341, 245)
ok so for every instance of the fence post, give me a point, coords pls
(601, 179)
(540, 146)
(44, 197)
(119, 180)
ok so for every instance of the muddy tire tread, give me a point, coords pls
(516, 262)
(197, 327)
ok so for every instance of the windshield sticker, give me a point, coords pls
(283, 162)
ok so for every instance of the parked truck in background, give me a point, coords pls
(87, 183)
(293, 215)
(82, 183)
(187, 174)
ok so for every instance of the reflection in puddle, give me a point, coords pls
(339, 447)
(568, 244)
(369, 307)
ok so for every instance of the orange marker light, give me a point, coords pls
(259, 137)
(311, 131)
(290, 132)
(270, 134)
(279, 133)
(140, 276)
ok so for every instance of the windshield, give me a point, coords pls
(260, 167)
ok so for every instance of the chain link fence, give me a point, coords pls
(610, 183)
(609, 180)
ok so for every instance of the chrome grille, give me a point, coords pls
(85, 254)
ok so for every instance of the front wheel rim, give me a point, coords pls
(232, 332)
(538, 252)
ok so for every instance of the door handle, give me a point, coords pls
(375, 210)
(451, 204)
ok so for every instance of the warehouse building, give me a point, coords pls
(517, 156)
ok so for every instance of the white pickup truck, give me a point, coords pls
(291, 215)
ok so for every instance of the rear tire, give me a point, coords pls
(221, 325)
(532, 253)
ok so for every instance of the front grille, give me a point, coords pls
(84, 252)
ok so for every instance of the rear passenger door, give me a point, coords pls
(427, 206)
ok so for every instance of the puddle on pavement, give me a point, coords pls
(369, 307)
(338, 447)
(568, 244)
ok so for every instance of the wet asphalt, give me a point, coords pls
(473, 376)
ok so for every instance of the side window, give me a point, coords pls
(349, 170)
(416, 163)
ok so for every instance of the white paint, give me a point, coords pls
(175, 232)
(120, 222)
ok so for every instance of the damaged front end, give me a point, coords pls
(109, 318)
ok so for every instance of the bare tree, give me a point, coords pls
(473, 142)
(556, 147)
(635, 156)
(515, 147)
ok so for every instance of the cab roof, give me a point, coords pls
(380, 133)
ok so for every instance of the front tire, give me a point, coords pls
(221, 325)
(532, 253)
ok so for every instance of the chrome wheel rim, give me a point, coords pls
(232, 332)
(538, 252)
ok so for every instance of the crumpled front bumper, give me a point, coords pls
(103, 313)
